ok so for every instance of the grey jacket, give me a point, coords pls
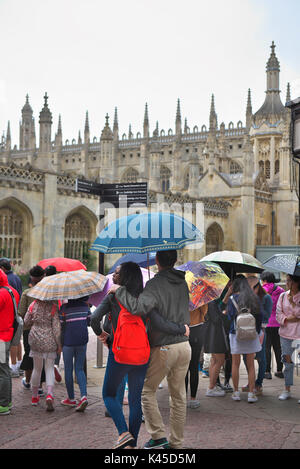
(168, 293)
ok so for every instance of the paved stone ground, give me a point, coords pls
(220, 423)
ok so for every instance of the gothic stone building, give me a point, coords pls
(242, 174)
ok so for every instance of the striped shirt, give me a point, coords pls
(75, 319)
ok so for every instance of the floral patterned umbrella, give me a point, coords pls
(205, 280)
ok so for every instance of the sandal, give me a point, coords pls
(126, 440)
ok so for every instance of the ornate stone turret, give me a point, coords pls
(27, 127)
(45, 127)
(272, 110)
(106, 133)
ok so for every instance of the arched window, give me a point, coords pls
(11, 235)
(214, 238)
(165, 176)
(77, 237)
(277, 166)
(186, 179)
(235, 168)
(131, 175)
(261, 166)
(267, 169)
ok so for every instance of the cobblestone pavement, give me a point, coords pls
(218, 423)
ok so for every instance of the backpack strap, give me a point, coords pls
(235, 303)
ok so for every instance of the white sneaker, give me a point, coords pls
(215, 392)
(252, 397)
(284, 396)
(236, 396)
(193, 404)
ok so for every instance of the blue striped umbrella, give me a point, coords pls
(147, 232)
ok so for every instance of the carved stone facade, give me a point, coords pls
(242, 175)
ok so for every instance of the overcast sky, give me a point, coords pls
(94, 55)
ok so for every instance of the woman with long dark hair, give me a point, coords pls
(130, 276)
(243, 297)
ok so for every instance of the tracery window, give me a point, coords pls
(165, 176)
(11, 235)
(131, 175)
(235, 168)
(77, 237)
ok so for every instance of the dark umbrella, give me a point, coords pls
(233, 262)
(287, 263)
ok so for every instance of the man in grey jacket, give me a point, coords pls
(168, 293)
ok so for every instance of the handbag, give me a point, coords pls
(18, 321)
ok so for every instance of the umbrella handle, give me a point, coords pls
(148, 265)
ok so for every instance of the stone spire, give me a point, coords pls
(86, 128)
(146, 122)
(213, 119)
(249, 110)
(45, 114)
(288, 93)
(106, 133)
(27, 109)
(130, 134)
(272, 109)
(178, 119)
(27, 127)
(45, 127)
(8, 137)
(116, 125)
(59, 130)
(58, 136)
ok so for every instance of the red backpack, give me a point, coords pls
(131, 345)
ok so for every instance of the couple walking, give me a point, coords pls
(164, 305)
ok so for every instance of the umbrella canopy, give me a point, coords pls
(68, 286)
(143, 260)
(62, 264)
(97, 298)
(205, 280)
(233, 262)
(146, 232)
(287, 263)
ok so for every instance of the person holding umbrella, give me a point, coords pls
(288, 316)
(170, 355)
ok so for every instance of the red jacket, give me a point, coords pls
(6, 309)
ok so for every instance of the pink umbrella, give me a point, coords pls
(96, 298)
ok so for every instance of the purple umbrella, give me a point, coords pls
(98, 297)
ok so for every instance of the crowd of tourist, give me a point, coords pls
(252, 317)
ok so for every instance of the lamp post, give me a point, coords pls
(295, 138)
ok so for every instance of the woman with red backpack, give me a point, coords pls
(128, 330)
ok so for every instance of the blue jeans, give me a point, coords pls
(75, 354)
(114, 376)
(262, 363)
(288, 371)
